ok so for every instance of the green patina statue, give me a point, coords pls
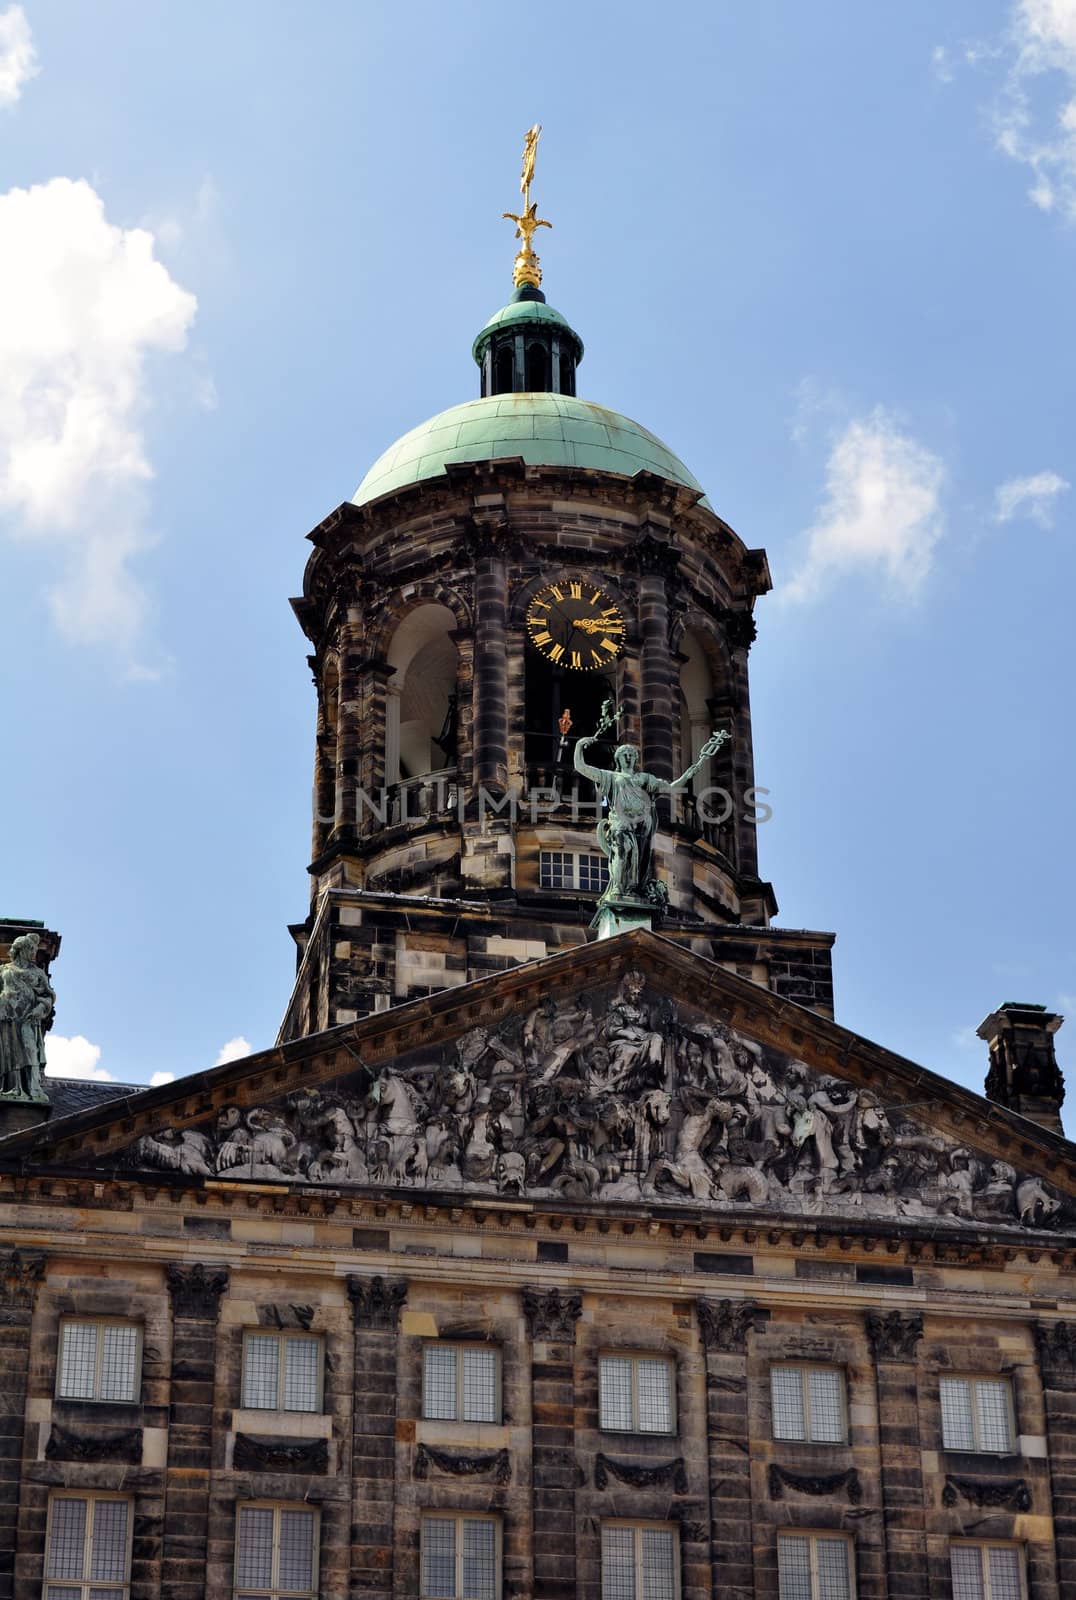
(27, 1002)
(626, 832)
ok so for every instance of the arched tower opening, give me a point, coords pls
(422, 695)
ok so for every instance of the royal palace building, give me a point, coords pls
(564, 1246)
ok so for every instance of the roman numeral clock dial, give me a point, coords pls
(576, 625)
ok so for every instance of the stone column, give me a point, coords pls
(485, 540)
(551, 1317)
(375, 1304)
(20, 1273)
(656, 561)
(724, 1326)
(195, 1293)
(894, 1336)
(361, 740)
(740, 633)
(1056, 1342)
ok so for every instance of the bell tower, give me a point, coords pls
(501, 573)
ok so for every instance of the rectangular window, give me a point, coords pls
(815, 1566)
(635, 1394)
(88, 1547)
(461, 1383)
(276, 1552)
(640, 1561)
(977, 1414)
(987, 1571)
(808, 1404)
(571, 869)
(99, 1360)
(461, 1558)
(282, 1372)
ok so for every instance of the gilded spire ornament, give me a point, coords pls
(527, 269)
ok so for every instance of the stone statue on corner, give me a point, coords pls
(626, 832)
(27, 1003)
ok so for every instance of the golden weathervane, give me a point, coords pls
(526, 269)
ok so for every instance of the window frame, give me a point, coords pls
(99, 1323)
(458, 1518)
(984, 1545)
(974, 1379)
(635, 1356)
(282, 1335)
(91, 1497)
(813, 1535)
(272, 1590)
(805, 1368)
(458, 1346)
(637, 1526)
(574, 856)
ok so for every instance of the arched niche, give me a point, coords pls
(422, 695)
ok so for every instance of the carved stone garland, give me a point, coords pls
(463, 1463)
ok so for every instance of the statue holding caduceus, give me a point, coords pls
(626, 832)
(526, 269)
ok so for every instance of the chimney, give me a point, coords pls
(1024, 1074)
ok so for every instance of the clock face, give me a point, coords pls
(575, 624)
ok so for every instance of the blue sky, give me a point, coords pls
(826, 252)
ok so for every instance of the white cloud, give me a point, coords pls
(234, 1050)
(1035, 118)
(83, 304)
(1032, 497)
(160, 1078)
(74, 1058)
(882, 512)
(18, 58)
(939, 61)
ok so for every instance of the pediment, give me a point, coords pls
(630, 1072)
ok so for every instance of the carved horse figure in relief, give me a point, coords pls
(392, 1124)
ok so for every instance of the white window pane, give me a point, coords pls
(439, 1386)
(794, 1567)
(108, 1558)
(109, 1593)
(618, 1562)
(659, 1572)
(78, 1360)
(254, 1542)
(995, 1423)
(439, 1558)
(786, 1391)
(119, 1356)
(479, 1559)
(261, 1358)
(958, 1432)
(1003, 1566)
(614, 1387)
(480, 1386)
(834, 1579)
(655, 1396)
(302, 1364)
(67, 1539)
(966, 1564)
(55, 1591)
(296, 1567)
(825, 1389)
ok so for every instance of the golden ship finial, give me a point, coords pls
(527, 269)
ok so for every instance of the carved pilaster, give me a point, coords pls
(894, 1338)
(196, 1290)
(894, 1335)
(195, 1293)
(1055, 1343)
(656, 560)
(552, 1314)
(376, 1302)
(724, 1327)
(21, 1271)
(485, 539)
(725, 1324)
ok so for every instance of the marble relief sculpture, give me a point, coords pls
(27, 1003)
(617, 1096)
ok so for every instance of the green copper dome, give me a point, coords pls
(553, 430)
